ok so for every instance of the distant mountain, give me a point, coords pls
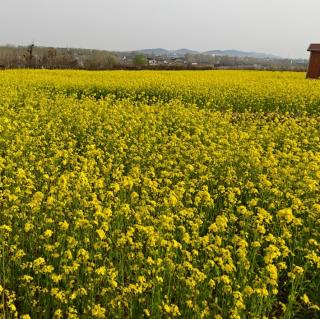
(157, 51)
(185, 51)
(160, 51)
(182, 52)
(241, 54)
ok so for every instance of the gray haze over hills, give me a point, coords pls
(284, 28)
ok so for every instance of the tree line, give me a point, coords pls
(70, 58)
(56, 58)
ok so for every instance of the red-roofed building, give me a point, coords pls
(314, 61)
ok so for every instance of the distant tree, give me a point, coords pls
(200, 58)
(140, 60)
(112, 60)
(100, 60)
(51, 57)
(64, 59)
(29, 57)
(190, 58)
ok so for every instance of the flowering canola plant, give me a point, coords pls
(159, 194)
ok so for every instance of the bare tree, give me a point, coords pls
(29, 57)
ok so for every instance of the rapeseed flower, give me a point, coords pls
(147, 194)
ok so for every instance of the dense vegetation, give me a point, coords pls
(159, 194)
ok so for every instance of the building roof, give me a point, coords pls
(314, 47)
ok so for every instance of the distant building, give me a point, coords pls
(152, 61)
(314, 62)
(177, 61)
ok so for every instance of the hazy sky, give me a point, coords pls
(282, 27)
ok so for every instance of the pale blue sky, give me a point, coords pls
(282, 27)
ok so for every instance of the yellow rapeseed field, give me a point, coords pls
(159, 195)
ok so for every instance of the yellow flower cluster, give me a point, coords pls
(159, 194)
